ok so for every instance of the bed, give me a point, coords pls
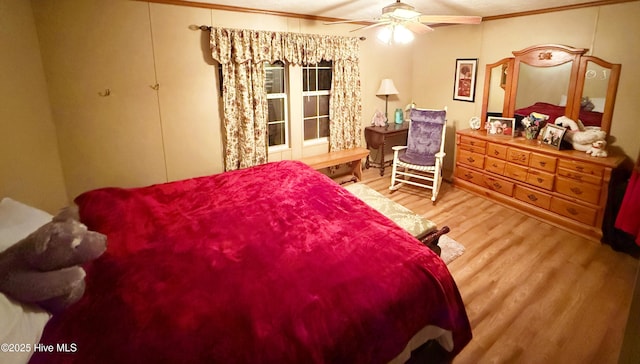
(271, 264)
(588, 118)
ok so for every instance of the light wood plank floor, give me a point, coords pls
(534, 293)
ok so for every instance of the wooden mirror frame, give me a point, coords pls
(549, 55)
(506, 67)
(612, 88)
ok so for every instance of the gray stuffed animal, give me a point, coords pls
(44, 268)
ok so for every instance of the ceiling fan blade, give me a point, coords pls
(349, 21)
(450, 19)
(417, 28)
(378, 24)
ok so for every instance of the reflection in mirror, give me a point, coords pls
(596, 91)
(594, 94)
(496, 92)
(496, 89)
(543, 90)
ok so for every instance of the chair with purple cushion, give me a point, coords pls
(421, 159)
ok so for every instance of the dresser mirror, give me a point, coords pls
(497, 76)
(554, 80)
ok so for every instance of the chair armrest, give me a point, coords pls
(440, 155)
(399, 147)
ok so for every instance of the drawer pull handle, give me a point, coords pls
(532, 197)
(542, 164)
(576, 190)
(540, 180)
(580, 168)
(497, 186)
(495, 152)
(469, 176)
(494, 165)
(470, 160)
(572, 211)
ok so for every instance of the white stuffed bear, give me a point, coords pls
(597, 149)
(581, 137)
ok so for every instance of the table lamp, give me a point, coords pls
(387, 88)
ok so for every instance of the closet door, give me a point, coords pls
(190, 103)
(98, 59)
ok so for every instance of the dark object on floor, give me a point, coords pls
(430, 353)
(431, 239)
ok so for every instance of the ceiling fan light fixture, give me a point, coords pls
(395, 33)
(385, 34)
(402, 35)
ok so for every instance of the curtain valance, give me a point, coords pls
(244, 45)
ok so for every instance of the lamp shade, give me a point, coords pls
(387, 87)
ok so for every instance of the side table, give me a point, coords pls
(376, 138)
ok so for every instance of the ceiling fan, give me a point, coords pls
(401, 17)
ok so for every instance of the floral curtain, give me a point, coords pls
(242, 54)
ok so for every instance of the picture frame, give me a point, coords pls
(464, 87)
(500, 126)
(552, 135)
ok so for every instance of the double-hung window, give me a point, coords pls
(278, 119)
(316, 84)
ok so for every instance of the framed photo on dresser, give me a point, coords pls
(501, 126)
(552, 135)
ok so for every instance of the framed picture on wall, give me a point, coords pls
(464, 88)
(501, 126)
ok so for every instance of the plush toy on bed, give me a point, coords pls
(44, 268)
(580, 137)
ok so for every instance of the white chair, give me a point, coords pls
(421, 159)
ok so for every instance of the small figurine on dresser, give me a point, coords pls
(597, 149)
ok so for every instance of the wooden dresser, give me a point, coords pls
(566, 188)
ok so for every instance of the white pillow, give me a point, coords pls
(18, 220)
(563, 100)
(598, 104)
(21, 323)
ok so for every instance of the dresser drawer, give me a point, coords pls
(581, 167)
(471, 148)
(516, 172)
(471, 159)
(573, 211)
(580, 190)
(495, 165)
(518, 156)
(542, 162)
(499, 185)
(533, 197)
(540, 179)
(497, 151)
(582, 177)
(469, 175)
(473, 142)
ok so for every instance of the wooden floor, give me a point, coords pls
(533, 293)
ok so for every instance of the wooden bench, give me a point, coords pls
(352, 156)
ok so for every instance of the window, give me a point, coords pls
(316, 84)
(277, 121)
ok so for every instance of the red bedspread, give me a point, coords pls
(273, 264)
(588, 118)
